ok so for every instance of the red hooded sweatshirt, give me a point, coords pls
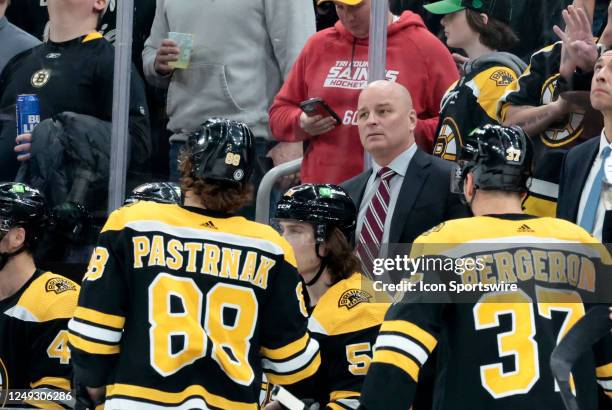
(333, 66)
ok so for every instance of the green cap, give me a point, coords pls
(499, 9)
(444, 7)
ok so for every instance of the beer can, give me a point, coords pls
(27, 113)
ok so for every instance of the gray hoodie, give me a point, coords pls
(242, 52)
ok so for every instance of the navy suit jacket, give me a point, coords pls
(424, 199)
(574, 173)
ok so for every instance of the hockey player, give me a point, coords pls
(317, 220)
(35, 307)
(185, 306)
(493, 351)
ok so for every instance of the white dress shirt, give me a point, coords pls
(599, 215)
(400, 166)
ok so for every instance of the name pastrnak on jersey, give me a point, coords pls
(494, 351)
(345, 321)
(34, 351)
(470, 103)
(537, 87)
(185, 308)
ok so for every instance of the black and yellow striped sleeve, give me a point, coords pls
(293, 362)
(95, 332)
(97, 325)
(404, 345)
(406, 339)
(289, 354)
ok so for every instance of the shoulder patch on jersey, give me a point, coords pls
(50, 297)
(352, 297)
(59, 285)
(502, 77)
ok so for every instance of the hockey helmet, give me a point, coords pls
(161, 192)
(499, 158)
(222, 150)
(21, 205)
(324, 206)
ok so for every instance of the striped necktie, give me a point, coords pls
(590, 209)
(370, 237)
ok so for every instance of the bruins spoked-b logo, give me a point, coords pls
(563, 133)
(59, 285)
(40, 78)
(4, 386)
(353, 297)
(449, 140)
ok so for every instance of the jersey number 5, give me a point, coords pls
(175, 311)
(519, 342)
(359, 355)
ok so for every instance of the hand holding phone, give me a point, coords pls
(316, 106)
(317, 117)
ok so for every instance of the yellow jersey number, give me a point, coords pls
(229, 342)
(519, 342)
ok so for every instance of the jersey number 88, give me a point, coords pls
(230, 343)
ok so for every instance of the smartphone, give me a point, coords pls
(316, 106)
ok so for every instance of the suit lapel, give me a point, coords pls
(411, 187)
(362, 181)
(582, 173)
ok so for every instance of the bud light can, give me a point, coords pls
(27, 113)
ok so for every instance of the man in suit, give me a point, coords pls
(414, 193)
(582, 176)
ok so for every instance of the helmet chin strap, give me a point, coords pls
(316, 277)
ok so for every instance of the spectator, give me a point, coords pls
(13, 39)
(481, 30)
(333, 66)
(553, 124)
(73, 71)
(582, 175)
(242, 51)
(33, 17)
(36, 305)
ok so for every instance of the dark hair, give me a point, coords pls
(341, 261)
(494, 34)
(214, 195)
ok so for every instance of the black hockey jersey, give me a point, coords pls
(34, 351)
(469, 103)
(186, 308)
(536, 87)
(345, 321)
(494, 353)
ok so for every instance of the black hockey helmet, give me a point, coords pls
(222, 150)
(499, 157)
(162, 192)
(21, 205)
(323, 205)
